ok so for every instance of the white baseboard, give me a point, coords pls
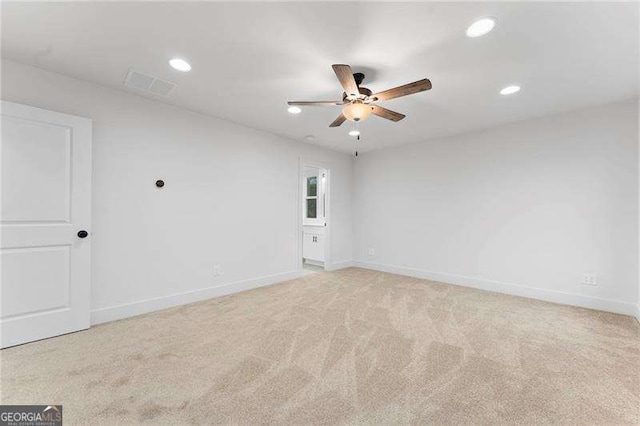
(339, 265)
(638, 312)
(506, 288)
(127, 310)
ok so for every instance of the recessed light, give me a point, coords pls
(294, 110)
(481, 27)
(354, 133)
(180, 65)
(510, 90)
(310, 138)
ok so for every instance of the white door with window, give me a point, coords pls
(314, 214)
(45, 223)
(314, 197)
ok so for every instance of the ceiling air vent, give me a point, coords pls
(147, 83)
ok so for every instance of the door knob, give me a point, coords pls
(82, 234)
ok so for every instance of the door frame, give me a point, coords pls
(302, 163)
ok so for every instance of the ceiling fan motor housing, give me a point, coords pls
(364, 92)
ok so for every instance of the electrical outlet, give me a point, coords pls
(589, 279)
(216, 270)
(371, 252)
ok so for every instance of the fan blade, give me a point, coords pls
(407, 89)
(315, 103)
(338, 121)
(345, 75)
(386, 113)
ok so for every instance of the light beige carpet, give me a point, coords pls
(352, 346)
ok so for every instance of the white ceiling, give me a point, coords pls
(250, 58)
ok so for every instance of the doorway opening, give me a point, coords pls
(314, 214)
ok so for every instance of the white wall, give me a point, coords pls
(230, 196)
(524, 209)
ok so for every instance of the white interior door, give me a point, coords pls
(46, 202)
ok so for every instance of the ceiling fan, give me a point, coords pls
(359, 102)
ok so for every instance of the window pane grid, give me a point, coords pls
(312, 204)
(312, 186)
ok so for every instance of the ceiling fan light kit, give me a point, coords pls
(356, 111)
(359, 102)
